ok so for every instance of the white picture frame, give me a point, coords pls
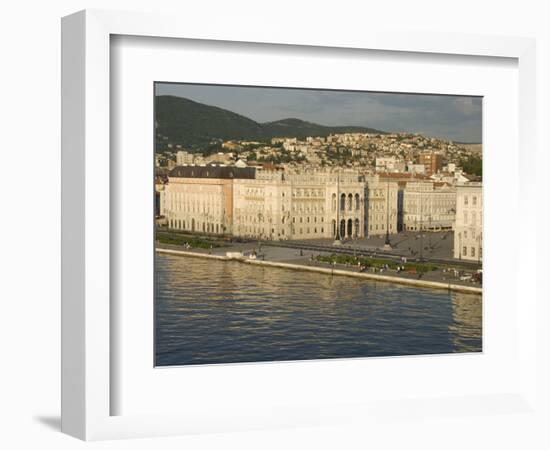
(86, 219)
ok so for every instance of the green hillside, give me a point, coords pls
(195, 125)
(186, 122)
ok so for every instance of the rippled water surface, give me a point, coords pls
(211, 311)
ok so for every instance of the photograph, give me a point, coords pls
(298, 224)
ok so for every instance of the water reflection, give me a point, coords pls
(219, 312)
(466, 326)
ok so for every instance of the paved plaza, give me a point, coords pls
(410, 244)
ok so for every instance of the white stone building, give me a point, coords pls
(306, 205)
(468, 240)
(184, 158)
(389, 164)
(428, 205)
(416, 168)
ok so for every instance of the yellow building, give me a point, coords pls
(200, 198)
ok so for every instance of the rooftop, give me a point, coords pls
(213, 171)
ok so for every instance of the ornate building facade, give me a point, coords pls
(299, 206)
(275, 205)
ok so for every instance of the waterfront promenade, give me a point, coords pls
(445, 277)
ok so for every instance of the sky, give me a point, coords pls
(456, 118)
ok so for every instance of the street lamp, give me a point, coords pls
(421, 228)
(429, 231)
(260, 217)
(479, 249)
(387, 244)
(338, 240)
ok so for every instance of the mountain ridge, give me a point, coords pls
(179, 120)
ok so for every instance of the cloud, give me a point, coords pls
(467, 105)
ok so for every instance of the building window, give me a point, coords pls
(474, 200)
(473, 251)
(464, 251)
(465, 199)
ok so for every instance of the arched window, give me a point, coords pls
(333, 202)
(343, 202)
(357, 202)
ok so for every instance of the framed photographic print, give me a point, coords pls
(262, 231)
(274, 237)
